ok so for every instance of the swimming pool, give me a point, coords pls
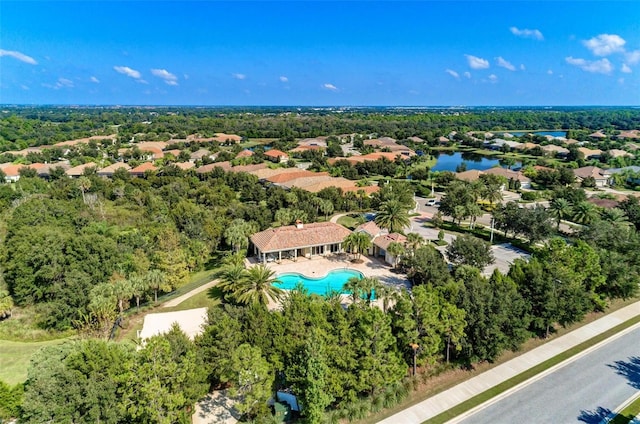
(333, 281)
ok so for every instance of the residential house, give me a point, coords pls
(381, 246)
(598, 134)
(617, 153)
(185, 166)
(46, 170)
(509, 174)
(79, 171)
(590, 153)
(276, 155)
(591, 171)
(111, 169)
(553, 150)
(142, 169)
(299, 241)
(246, 153)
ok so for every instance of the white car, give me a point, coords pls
(431, 202)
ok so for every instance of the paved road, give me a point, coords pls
(585, 391)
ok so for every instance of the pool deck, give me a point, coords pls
(319, 266)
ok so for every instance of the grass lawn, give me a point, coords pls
(15, 357)
(349, 221)
(628, 413)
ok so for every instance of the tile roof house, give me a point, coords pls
(381, 245)
(617, 153)
(525, 182)
(111, 169)
(185, 165)
(590, 153)
(276, 155)
(552, 149)
(598, 134)
(78, 171)
(142, 169)
(470, 176)
(46, 170)
(629, 134)
(246, 153)
(591, 171)
(299, 240)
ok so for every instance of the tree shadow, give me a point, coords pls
(629, 369)
(215, 293)
(595, 417)
(216, 408)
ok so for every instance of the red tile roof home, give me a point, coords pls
(246, 153)
(160, 145)
(552, 148)
(391, 156)
(174, 152)
(370, 228)
(78, 171)
(299, 236)
(11, 170)
(416, 139)
(298, 173)
(111, 169)
(205, 169)
(143, 168)
(45, 171)
(276, 154)
(157, 153)
(604, 203)
(384, 241)
(616, 153)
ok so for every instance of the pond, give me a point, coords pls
(449, 161)
(540, 133)
(333, 281)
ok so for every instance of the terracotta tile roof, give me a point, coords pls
(598, 134)
(174, 152)
(248, 168)
(46, 169)
(11, 170)
(297, 173)
(78, 171)
(109, 170)
(589, 152)
(371, 156)
(291, 237)
(185, 165)
(142, 168)
(246, 153)
(416, 139)
(365, 189)
(85, 140)
(588, 171)
(508, 174)
(629, 134)
(160, 145)
(384, 241)
(370, 228)
(471, 175)
(616, 153)
(275, 153)
(604, 203)
(552, 148)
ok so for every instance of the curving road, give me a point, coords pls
(585, 391)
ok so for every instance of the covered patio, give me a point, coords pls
(299, 240)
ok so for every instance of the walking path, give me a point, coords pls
(178, 300)
(446, 400)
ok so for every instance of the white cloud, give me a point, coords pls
(168, 77)
(467, 74)
(328, 86)
(549, 72)
(284, 79)
(605, 44)
(527, 33)
(125, 70)
(602, 66)
(493, 78)
(452, 73)
(477, 62)
(17, 55)
(61, 83)
(239, 76)
(522, 68)
(633, 57)
(94, 79)
(625, 68)
(24, 87)
(505, 63)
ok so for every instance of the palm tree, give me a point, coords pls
(138, 288)
(354, 287)
(84, 184)
(357, 242)
(157, 281)
(560, 209)
(396, 250)
(615, 215)
(258, 288)
(414, 242)
(122, 290)
(232, 277)
(393, 215)
(369, 287)
(585, 213)
(326, 207)
(387, 293)
(6, 304)
(237, 234)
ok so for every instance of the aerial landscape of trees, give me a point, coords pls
(79, 253)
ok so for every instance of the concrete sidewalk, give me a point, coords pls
(446, 400)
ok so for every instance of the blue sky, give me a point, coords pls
(351, 53)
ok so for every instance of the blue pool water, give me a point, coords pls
(333, 281)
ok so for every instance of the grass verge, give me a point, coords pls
(514, 381)
(627, 414)
(15, 357)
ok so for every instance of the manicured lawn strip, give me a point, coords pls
(514, 381)
(627, 414)
(349, 221)
(15, 357)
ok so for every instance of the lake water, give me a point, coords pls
(449, 161)
(333, 281)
